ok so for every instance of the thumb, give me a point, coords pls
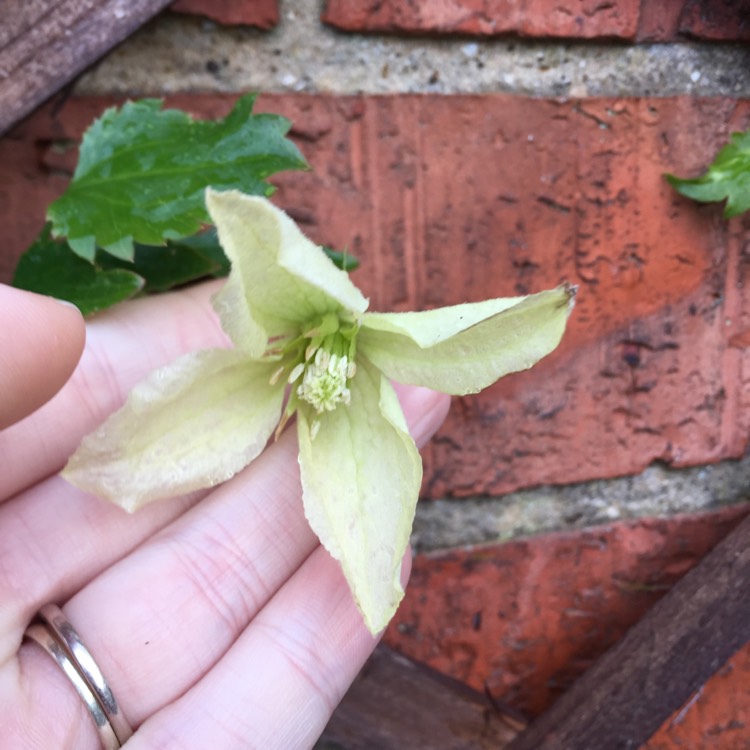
(41, 340)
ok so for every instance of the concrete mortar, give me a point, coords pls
(658, 491)
(175, 54)
(178, 54)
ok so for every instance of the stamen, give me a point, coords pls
(324, 384)
(296, 372)
(276, 375)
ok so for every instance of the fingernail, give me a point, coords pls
(66, 303)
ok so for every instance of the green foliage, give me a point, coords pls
(143, 170)
(728, 178)
(50, 267)
(179, 262)
(342, 259)
(138, 192)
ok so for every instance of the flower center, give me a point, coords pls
(320, 361)
(324, 383)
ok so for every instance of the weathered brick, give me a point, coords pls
(261, 13)
(523, 620)
(707, 19)
(694, 19)
(448, 199)
(561, 18)
(716, 716)
(634, 20)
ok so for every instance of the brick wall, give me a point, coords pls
(489, 193)
(631, 20)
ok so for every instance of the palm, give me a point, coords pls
(218, 624)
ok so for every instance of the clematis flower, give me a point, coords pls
(300, 326)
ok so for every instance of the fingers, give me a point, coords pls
(281, 680)
(123, 345)
(41, 340)
(207, 575)
(160, 619)
(55, 539)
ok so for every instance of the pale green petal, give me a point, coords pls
(465, 348)
(279, 278)
(189, 425)
(361, 475)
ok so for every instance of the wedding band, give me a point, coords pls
(68, 637)
(42, 636)
(56, 635)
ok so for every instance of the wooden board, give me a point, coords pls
(672, 651)
(44, 44)
(397, 703)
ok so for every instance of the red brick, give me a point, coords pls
(558, 18)
(660, 21)
(459, 198)
(717, 717)
(707, 19)
(523, 620)
(261, 13)
(647, 20)
(694, 19)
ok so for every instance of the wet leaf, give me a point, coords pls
(143, 170)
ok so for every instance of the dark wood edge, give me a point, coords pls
(668, 655)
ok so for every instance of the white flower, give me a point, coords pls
(295, 318)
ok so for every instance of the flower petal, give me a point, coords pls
(361, 475)
(465, 348)
(189, 425)
(279, 278)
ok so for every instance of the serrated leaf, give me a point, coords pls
(728, 178)
(143, 170)
(51, 267)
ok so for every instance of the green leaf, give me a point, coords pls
(51, 267)
(207, 245)
(164, 268)
(727, 178)
(143, 171)
(342, 259)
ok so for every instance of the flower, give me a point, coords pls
(299, 324)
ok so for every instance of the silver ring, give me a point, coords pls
(39, 634)
(77, 663)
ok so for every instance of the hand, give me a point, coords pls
(217, 619)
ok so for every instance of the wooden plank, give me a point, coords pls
(395, 702)
(44, 44)
(672, 651)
